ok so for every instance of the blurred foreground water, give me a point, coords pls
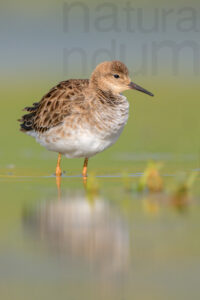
(101, 242)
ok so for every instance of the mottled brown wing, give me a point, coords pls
(54, 107)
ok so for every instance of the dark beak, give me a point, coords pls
(134, 86)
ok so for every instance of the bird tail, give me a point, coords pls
(27, 120)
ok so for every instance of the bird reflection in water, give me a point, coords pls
(91, 232)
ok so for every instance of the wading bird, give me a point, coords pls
(82, 117)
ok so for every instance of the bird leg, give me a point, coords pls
(58, 183)
(58, 168)
(84, 172)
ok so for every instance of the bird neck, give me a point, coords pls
(107, 97)
(104, 96)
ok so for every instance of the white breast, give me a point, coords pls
(86, 141)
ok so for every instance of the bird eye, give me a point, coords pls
(116, 75)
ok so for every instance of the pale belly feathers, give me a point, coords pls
(84, 141)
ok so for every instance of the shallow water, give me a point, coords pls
(103, 241)
(109, 241)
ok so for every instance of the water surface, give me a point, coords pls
(107, 242)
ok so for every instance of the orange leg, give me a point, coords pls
(84, 172)
(58, 183)
(58, 168)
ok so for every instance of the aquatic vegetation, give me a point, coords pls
(151, 179)
(181, 195)
(92, 187)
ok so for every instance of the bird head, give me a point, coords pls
(114, 76)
